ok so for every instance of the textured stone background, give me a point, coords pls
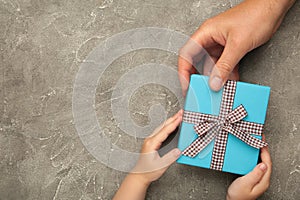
(43, 43)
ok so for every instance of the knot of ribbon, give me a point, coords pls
(209, 127)
(228, 125)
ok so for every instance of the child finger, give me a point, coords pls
(167, 130)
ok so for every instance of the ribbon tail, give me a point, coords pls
(198, 145)
(246, 137)
(252, 127)
(196, 118)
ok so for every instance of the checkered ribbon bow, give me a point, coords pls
(209, 127)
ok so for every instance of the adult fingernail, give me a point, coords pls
(176, 152)
(263, 167)
(216, 83)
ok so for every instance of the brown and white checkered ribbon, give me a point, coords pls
(209, 127)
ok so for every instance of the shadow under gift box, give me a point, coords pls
(240, 158)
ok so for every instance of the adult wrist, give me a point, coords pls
(273, 10)
(281, 6)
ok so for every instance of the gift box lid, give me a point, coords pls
(240, 158)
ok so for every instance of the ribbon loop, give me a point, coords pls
(203, 128)
(247, 138)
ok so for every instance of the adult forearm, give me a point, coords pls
(287, 3)
(279, 7)
(268, 12)
(282, 6)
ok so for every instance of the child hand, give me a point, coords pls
(151, 166)
(254, 184)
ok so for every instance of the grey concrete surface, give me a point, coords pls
(43, 43)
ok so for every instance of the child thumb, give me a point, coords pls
(256, 174)
(171, 157)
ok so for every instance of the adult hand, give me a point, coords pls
(254, 184)
(227, 37)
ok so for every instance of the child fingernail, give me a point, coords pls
(263, 167)
(176, 152)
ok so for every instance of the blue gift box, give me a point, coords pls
(239, 158)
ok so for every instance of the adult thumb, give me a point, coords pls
(255, 175)
(232, 54)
